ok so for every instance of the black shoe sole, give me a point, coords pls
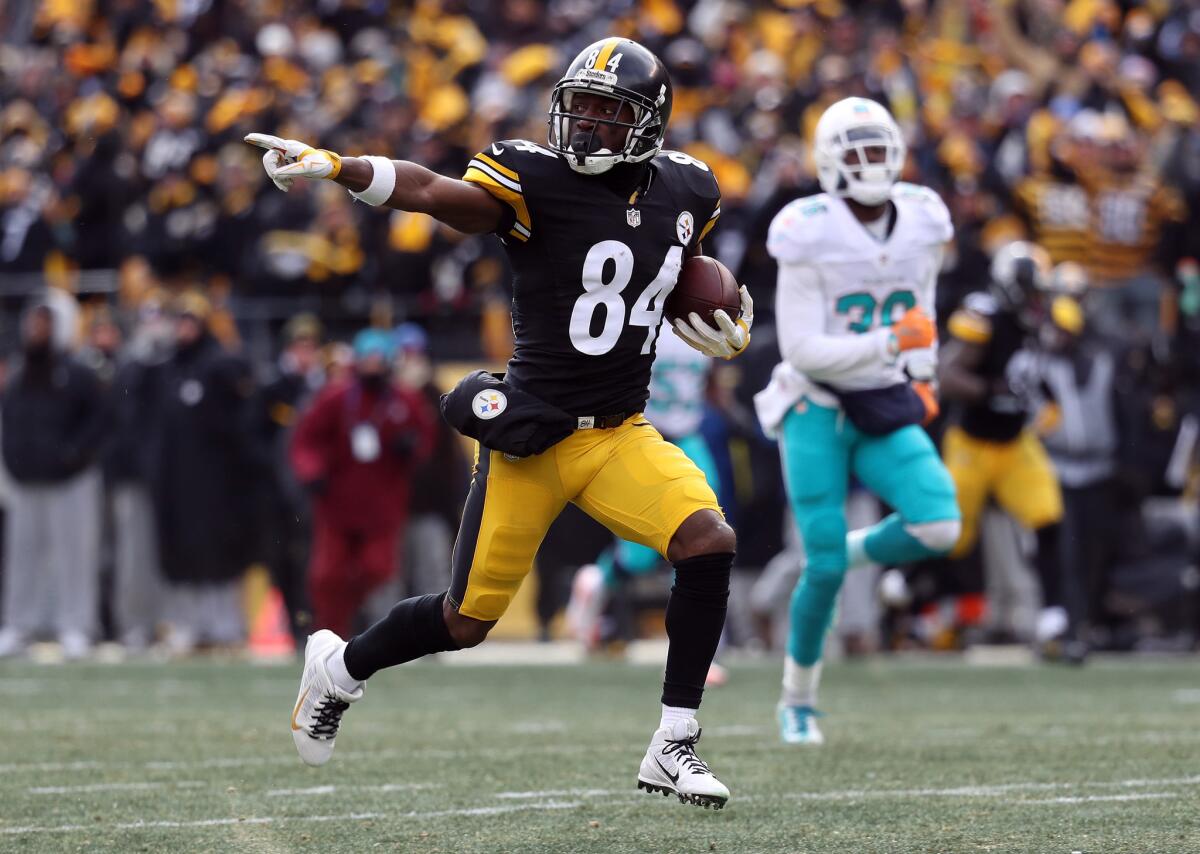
(705, 801)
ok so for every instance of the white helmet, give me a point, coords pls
(853, 125)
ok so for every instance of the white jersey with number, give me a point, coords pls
(677, 385)
(841, 285)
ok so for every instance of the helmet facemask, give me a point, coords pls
(584, 150)
(849, 165)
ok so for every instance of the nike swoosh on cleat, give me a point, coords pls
(296, 711)
(674, 777)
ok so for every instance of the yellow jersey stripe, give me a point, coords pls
(503, 170)
(504, 194)
(476, 163)
(970, 327)
(605, 54)
(709, 226)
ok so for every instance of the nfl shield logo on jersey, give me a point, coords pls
(685, 226)
(489, 404)
(634, 217)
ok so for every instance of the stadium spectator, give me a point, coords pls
(204, 468)
(1132, 208)
(1077, 375)
(137, 591)
(54, 423)
(439, 483)
(354, 450)
(287, 526)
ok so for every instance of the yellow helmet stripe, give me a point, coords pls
(605, 54)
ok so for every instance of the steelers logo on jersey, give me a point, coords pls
(685, 226)
(489, 404)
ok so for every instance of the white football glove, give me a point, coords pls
(288, 159)
(724, 342)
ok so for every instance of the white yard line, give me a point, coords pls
(287, 758)
(1087, 799)
(553, 793)
(222, 822)
(329, 790)
(988, 791)
(112, 787)
(538, 801)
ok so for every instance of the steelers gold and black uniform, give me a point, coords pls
(989, 450)
(593, 261)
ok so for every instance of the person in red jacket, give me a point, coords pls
(355, 450)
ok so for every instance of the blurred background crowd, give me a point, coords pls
(201, 373)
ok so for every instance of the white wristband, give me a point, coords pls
(383, 182)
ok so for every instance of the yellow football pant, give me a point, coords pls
(628, 478)
(1018, 474)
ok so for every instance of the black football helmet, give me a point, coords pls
(1021, 273)
(625, 71)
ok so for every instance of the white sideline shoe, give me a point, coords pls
(320, 703)
(76, 646)
(12, 643)
(672, 767)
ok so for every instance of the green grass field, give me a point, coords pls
(922, 757)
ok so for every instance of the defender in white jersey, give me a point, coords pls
(858, 266)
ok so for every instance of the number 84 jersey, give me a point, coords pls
(593, 262)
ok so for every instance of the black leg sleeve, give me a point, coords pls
(1049, 565)
(695, 618)
(413, 628)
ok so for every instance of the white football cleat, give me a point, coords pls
(320, 704)
(672, 767)
(798, 725)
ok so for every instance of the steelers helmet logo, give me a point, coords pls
(489, 404)
(685, 227)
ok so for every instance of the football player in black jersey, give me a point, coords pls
(596, 225)
(990, 450)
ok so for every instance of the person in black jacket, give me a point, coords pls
(54, 422)
(287, 522)
(204, 469)
(137, 586)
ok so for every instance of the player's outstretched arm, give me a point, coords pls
(397, 184)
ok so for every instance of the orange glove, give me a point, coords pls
(914, 330)
(929, 398)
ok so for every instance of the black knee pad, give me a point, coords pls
(704, 578)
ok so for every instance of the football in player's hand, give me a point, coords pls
(704, 286)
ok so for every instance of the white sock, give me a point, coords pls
(856, 549)
(671, 714)
(336, 665)
(799, 683)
